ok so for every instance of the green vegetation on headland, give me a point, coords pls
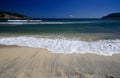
(11, 15)
(112, 16)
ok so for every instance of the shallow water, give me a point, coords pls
(65, 36)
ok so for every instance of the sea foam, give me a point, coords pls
(63, 45)
(39, 22)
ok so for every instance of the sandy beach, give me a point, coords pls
(26, 62)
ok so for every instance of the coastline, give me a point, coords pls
(63, 45)
(26, 62)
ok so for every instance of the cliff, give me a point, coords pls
(11, 15)
(112, 16)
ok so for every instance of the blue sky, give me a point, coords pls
(62, 8)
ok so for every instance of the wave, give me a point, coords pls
(63, 45)
(23, 22)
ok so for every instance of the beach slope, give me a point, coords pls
(25, 62)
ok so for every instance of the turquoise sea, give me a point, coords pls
(99, 36)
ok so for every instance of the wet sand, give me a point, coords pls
(26, 62)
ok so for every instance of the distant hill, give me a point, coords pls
(9, 15)
(112, 16)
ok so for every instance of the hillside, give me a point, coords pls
(5, 14)
(112, 16)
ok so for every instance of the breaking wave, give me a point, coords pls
(19, 22)
(63, 45)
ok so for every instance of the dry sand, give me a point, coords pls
(25, 62)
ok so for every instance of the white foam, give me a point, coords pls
(62, 45)
(40, 22)
(17, 20)
(24, 20)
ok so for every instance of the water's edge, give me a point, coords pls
(63, 45)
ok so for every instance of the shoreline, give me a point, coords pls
(63, 45)
(87, 53)
(22, 62)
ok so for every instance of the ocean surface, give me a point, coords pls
(97, 36)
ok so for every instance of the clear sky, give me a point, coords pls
(62, 8)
